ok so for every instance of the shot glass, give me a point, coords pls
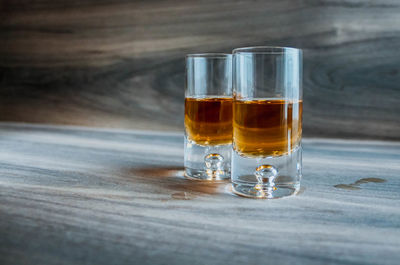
(208, 116)
(267, 121)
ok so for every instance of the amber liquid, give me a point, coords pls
(208, 121)
(266, 127)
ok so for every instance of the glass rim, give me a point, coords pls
(265, 50)
(209, 55)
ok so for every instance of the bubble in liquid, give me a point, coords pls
(266, 174)
(213, 161)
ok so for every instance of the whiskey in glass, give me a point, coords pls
(208, 116)
(267, 122)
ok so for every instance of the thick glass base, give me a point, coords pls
(211, 162)
(268, 177)
(196, 174)
(265, 191)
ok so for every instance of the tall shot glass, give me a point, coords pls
(208, 116)
(267, 121)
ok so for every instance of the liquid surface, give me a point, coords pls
(266, 127)
(208, 121)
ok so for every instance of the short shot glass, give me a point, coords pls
(267, 121)
(208, 116)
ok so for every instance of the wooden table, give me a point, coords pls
(71, 195)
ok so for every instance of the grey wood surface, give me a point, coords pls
(71, 195)
(119, 63)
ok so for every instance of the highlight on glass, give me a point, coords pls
(208, 116)
(267, 121)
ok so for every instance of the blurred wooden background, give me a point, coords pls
(120, 63)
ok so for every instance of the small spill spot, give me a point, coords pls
(367, 180)
(347, 187)
(356, 184)
(182, 196)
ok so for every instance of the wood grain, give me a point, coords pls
(71, 195)
(118, 63)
